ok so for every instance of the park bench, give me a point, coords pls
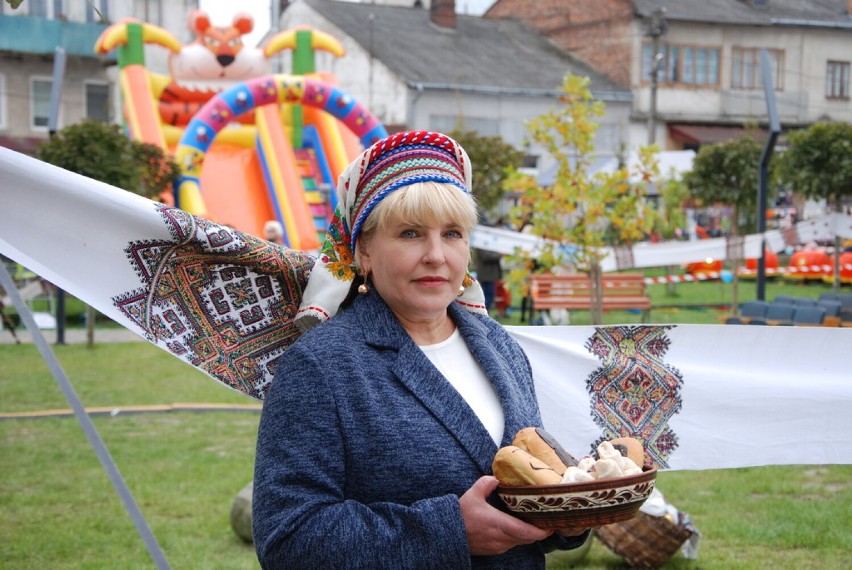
(621, 291)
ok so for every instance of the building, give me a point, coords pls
(708, 85)
(414, 67)
(29, 36)
(418, 68)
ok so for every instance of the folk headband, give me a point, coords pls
(399, 160)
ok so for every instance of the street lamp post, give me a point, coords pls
(657, 29)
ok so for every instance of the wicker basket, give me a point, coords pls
(644, 541)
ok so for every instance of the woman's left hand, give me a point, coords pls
(489, 530)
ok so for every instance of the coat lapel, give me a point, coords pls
(414, 370)
(493, 363)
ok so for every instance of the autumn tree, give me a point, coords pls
(818, 164)
(580, 214)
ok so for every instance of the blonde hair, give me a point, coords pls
(422, 203)
(273, 230)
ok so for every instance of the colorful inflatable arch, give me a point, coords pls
(254, 95)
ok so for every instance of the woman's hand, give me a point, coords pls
(489, 530)
(571, 532)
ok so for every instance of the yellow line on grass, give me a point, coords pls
(116, 410)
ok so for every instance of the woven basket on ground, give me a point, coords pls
(644, 541)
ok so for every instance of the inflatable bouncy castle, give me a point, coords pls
(252, 147)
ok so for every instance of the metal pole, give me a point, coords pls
(274, 26)
(52, 122)
(95, 440)
(658, 26)
(765, 158)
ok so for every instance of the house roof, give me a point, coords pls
(487, 55)
(821, 13)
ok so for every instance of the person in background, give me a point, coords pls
(488, 272)
(379, 429)
(273, 231)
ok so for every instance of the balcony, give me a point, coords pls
(29, 35)
(792, 106)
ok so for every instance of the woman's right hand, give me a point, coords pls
(489, 530)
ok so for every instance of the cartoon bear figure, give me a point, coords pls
(213, 62)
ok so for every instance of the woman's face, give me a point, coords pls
(417, 269)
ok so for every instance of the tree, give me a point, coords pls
(728, 172)
(102, 151)
(818, 164)
(491, 158)
(579, 214)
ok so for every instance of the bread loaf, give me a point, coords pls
(516, 467)
(630, 447)
(544, 446)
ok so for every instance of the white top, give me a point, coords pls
(454, 360)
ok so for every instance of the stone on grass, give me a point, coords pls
(241, 513)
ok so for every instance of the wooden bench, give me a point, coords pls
(621, 291)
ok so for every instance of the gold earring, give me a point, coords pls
(461, 291)
(363, 288)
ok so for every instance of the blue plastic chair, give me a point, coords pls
(780, 313)
(809, 315)
(832, 308)
(754, 309)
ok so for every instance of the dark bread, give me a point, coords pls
(544, 446)
(630, 447)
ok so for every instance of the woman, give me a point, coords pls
(378, 432)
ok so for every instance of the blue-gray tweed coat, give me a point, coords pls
(364, 447)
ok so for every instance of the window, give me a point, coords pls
(40, 102)
(97, 101)
(147, 11)
(746, 72)
(530, 161)
(837, 80)
(46, 8)
(38, 8)
(97, 11)
(681, 64)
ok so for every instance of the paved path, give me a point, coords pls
(73, 335)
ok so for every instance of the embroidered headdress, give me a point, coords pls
(399, 160)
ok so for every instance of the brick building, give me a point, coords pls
(709, 84)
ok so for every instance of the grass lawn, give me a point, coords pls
(185, 468)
